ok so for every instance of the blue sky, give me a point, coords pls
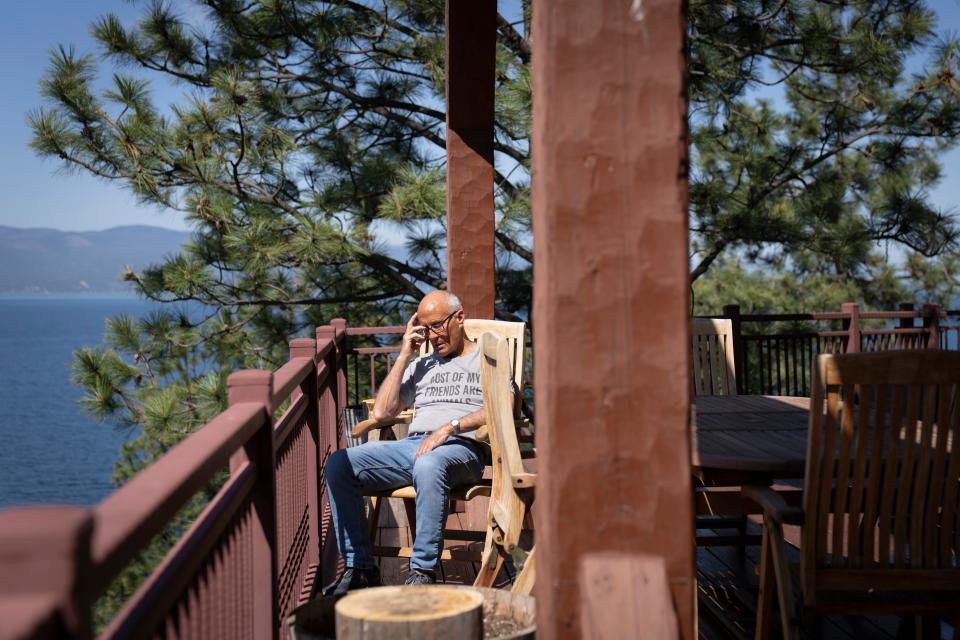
(38, 193)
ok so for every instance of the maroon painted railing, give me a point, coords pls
(771, 360)
(257, 550)
(369, 358)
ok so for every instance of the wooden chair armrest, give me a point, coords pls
(524, 480)
(773, 504)
(370, 424)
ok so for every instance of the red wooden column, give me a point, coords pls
(613, 514)
(471, 28)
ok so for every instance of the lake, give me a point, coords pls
(52, 451)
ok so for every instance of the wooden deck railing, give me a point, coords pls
(258, 548)
(369, 358)
(775, 352)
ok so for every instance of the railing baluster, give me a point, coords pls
(776, 348)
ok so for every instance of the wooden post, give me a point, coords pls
(471, 29)
(340, 363)
(307, 348)
(630, 588)
(611, 309)
(732, 311)
(906, 323)
(44, 570)
(334, 387)
(852, 326)
(255, 386)
(931, 322)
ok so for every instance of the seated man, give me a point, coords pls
(439, 453)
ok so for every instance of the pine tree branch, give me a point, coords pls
(708, 260)
(267, 302)
(515, 247)
(410, 270)
(379, 264)
(399, 26)
(514, 40)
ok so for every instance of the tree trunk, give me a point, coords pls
(409, 613)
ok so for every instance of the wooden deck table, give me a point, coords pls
(749, 439)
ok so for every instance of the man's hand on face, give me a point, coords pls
(413, 337)
(435, 439)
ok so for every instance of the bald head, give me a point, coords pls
(440, 301)
(442, 312)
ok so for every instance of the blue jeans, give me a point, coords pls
(383, 465)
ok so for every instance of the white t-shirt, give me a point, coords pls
(441, 389)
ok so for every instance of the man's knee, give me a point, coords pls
(337, 467)
(429, 468)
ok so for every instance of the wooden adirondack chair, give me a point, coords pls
(712, 363)
(512, 334)
(881, 490)
(513, 488)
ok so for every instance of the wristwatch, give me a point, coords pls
(456, 425)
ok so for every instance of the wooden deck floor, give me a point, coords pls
(395, 570)
(727, 589)
(727, 596)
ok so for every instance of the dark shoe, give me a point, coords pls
(354, 579)
(421, 577)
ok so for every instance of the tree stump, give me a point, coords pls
(407, 613)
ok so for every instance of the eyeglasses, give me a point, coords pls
(440, 327)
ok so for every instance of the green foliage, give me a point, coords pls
(811, 142)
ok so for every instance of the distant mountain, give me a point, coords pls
(52, 261)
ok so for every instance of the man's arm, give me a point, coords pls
(469, 422)
(387, 404)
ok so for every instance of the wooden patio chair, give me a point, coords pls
(712, 364)
(512, 487)
(713, 373)
(880, 531)
(513, 337)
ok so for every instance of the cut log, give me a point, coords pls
(408, 613)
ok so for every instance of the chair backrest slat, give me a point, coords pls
(711, 353)
(842, 474)
(858, 480)
(872, 498)
(883, 468)
(904, 479)
(888, 496)
(950, 532)
(938, 472)
(923, 479)
(512, 332)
